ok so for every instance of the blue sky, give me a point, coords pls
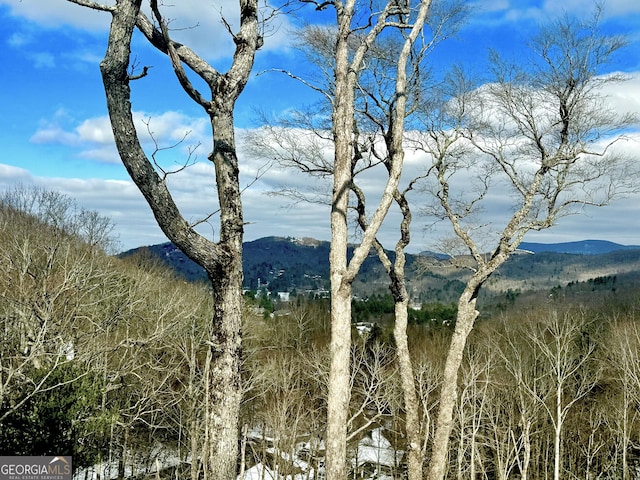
(55, 133)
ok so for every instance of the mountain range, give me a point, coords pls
(285, 264)
(584, 247)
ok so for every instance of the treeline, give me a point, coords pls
(377, 307)
(105, 359)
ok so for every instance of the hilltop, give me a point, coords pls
(584, 247)
(286, 264)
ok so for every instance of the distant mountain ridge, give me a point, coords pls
(583, 247)
(273, 261)
(301, 265)
(279, 263)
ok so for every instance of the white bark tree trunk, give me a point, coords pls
(414, 453)
(339, 394)
(557, 431)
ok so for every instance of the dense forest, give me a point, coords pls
(103, 358)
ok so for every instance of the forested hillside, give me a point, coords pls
(99, 356)
(103, 358)
(283, 264)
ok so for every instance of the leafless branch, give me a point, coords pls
(93, 5)
(177, 62)
(188, 162)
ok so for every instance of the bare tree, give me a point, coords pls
(222, 260)
(51, 276)
(566, 350)
(347, 57)
(519, 361)
(349, 63)
(472, 410)
(376, 110)
(623, 348)
(543, 129)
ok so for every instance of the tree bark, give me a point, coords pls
(342, 272)
(412, 417)
(398, 287)
(465, 319)
(338, 396)
(222, 260)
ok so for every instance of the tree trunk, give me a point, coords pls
(412, 418)
(194, 431)
(339, 386)
(625, 433)
(348, 66)
(224, 389)
(557, 432)
(465, 319)
(226, 330)
(339, 393)
(222, 260)
(526, 460)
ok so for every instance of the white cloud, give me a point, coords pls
(81, 59)
(119, 200)
(174, 133)
(18, 40)
(200, 25)
(10, 176)
(43, 60)
(614, 222)
(95, 130)
(624, 97)
(612, 8)
(193, 22)
(53, 134)
(54, 13)
(171, 127)
(104, 154)
(513, 11)
(195, 193)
